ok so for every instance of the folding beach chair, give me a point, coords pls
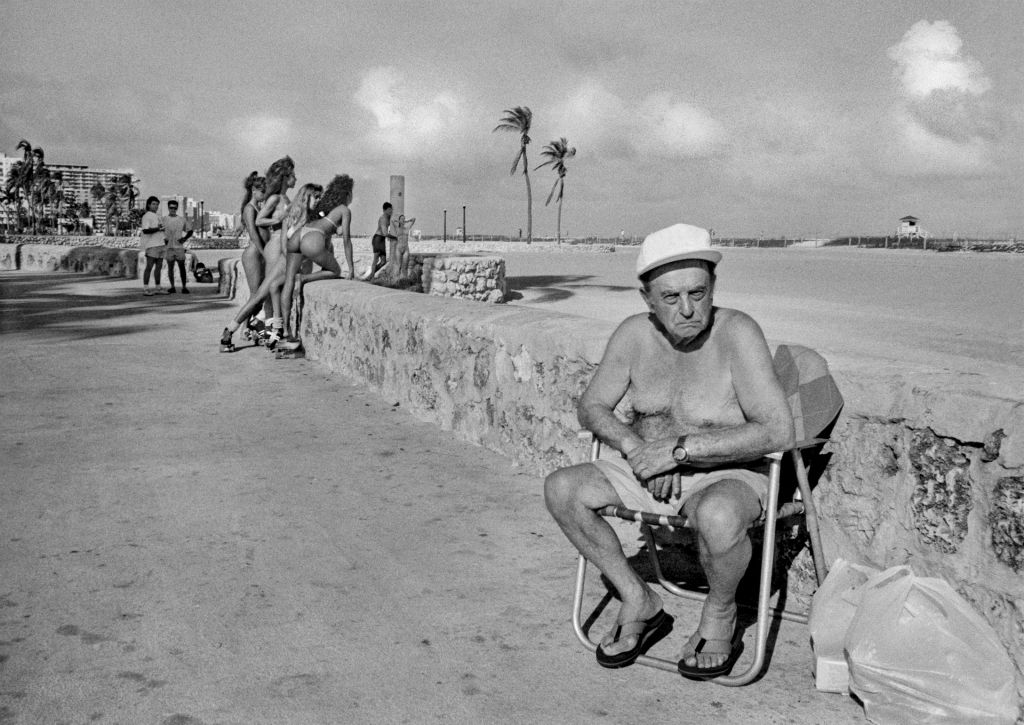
(816, 402)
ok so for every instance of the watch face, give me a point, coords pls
(679, 454)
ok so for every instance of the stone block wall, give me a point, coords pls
(8, 257)
(72, 240)
(468, 278)
(507, 378)
(124, 262)
(928, 473)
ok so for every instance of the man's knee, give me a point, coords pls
(582, 485)
(723, 514)
(561, 489)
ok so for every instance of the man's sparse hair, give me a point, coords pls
(336, 194)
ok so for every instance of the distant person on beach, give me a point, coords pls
(280, 178)
(401, 230)
(379, 243)
(706, 407)
(151, 242)
(252, 256)
(299, 213)
(177, 231)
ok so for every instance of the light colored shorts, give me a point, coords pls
(174, 253)
(155, 252)
(634, 496)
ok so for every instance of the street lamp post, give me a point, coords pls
(445, 238)
(202, 219)
(463, 223)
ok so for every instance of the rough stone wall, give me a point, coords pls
(84, 259)
(469, 278)
(934, 478)
(502, 377)
(8, 257)
(72, 240)
(925, 473)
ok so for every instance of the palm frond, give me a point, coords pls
(557, 181)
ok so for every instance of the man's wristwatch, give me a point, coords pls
(679, 453)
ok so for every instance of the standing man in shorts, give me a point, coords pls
(177, 231)
(379, 243)
(151, 242)
(707, 406)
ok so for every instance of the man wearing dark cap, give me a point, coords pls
(706, 406)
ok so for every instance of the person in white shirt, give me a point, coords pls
(151, 242)
(177, 231)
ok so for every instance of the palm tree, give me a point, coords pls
(121, 186)
(556, 153)
(518, 120)
(25, 172)
(9, 201)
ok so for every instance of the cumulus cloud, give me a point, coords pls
(261, 133)
(408, 121)
(930, 58)
(942, 121)
(657, 126)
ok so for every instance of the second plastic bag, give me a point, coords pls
(919, 653)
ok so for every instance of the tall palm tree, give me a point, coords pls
(518, 120)
(125, 191)
(556, 153)
(9, 201)
(27, 169)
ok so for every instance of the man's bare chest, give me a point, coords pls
(695, 388)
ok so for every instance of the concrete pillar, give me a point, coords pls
(397, 198)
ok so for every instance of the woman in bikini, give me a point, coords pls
(252, 256)
(298, 214)
(280, 178)
(313, 242)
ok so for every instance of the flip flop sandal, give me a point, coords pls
(648, 633)
(696, 672)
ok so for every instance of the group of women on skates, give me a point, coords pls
(286, 237)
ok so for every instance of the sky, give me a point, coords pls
(786, 118)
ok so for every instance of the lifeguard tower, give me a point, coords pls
(909, 229)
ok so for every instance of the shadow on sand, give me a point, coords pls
(555, 288)
(54, 306)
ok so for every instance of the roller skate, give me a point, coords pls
(253, 330)
(273, 338)
(226, 345)
(290, 349)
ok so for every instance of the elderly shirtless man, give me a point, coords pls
(707, 406)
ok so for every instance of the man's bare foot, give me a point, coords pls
(632, 610)
(718, 628)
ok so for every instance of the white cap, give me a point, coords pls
(679, 241)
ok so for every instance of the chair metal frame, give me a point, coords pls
(802, 505)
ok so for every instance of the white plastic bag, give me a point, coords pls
(832, 610)
(918, 653)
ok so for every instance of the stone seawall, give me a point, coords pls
(85, 259)
(927, 473)
(72, 240)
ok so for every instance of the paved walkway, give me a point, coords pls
(190, 537)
